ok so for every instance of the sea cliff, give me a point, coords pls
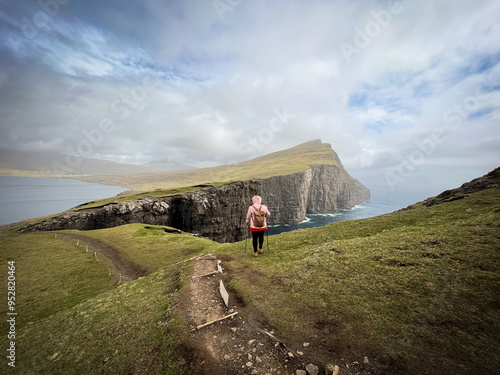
(219, 213)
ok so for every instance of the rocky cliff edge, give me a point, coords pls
(219, 213)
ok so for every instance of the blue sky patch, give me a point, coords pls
(481, 113)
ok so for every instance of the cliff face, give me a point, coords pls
(322, 189)
(219, 213)
(215, 213)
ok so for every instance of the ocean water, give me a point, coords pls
(24, 198)
(383, 200)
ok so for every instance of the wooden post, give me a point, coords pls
(77, 242)
(86, 249)
(217, 320)
(119, 281)
(55, 235)
(224, 294)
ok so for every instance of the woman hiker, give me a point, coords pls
(256, 216)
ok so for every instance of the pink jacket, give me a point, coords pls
(250, 214)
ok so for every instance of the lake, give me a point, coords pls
(24, 198)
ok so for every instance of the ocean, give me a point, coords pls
(383, 200)
(24, 198)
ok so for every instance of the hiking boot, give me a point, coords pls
(260, 251)
(255, 254)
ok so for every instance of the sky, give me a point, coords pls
(406, 92)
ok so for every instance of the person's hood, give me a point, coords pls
(257, 200)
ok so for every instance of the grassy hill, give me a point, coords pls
(416, 292)
(295, 159)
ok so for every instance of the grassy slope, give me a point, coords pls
(295, 159)
(417, 288)
(25, 173)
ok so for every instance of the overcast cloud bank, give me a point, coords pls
(406, 92)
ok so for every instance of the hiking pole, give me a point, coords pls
(267, 235)
(246, 237)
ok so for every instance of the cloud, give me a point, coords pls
(177, 80)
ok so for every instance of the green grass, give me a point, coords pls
(418, 286)
(150, 246)
(52, 274)
(416, 289)
(26, 173)
(125, 331)
(73, 317)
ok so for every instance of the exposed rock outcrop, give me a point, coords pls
(219, 213)
(488, 181)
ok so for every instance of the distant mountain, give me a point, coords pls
(30, 163)
(168, 165)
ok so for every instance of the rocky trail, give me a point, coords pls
(234, 345)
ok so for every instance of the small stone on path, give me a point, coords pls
(300, 372)
(312, 369)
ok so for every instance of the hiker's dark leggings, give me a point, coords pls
(258, 236)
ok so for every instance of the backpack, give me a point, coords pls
(259, 217)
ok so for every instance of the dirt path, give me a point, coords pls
(232, 346)
(120, 264)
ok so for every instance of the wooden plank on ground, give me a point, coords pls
(224, 294)
(206, 274)
(216, 320)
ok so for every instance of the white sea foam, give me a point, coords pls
(327, 215)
